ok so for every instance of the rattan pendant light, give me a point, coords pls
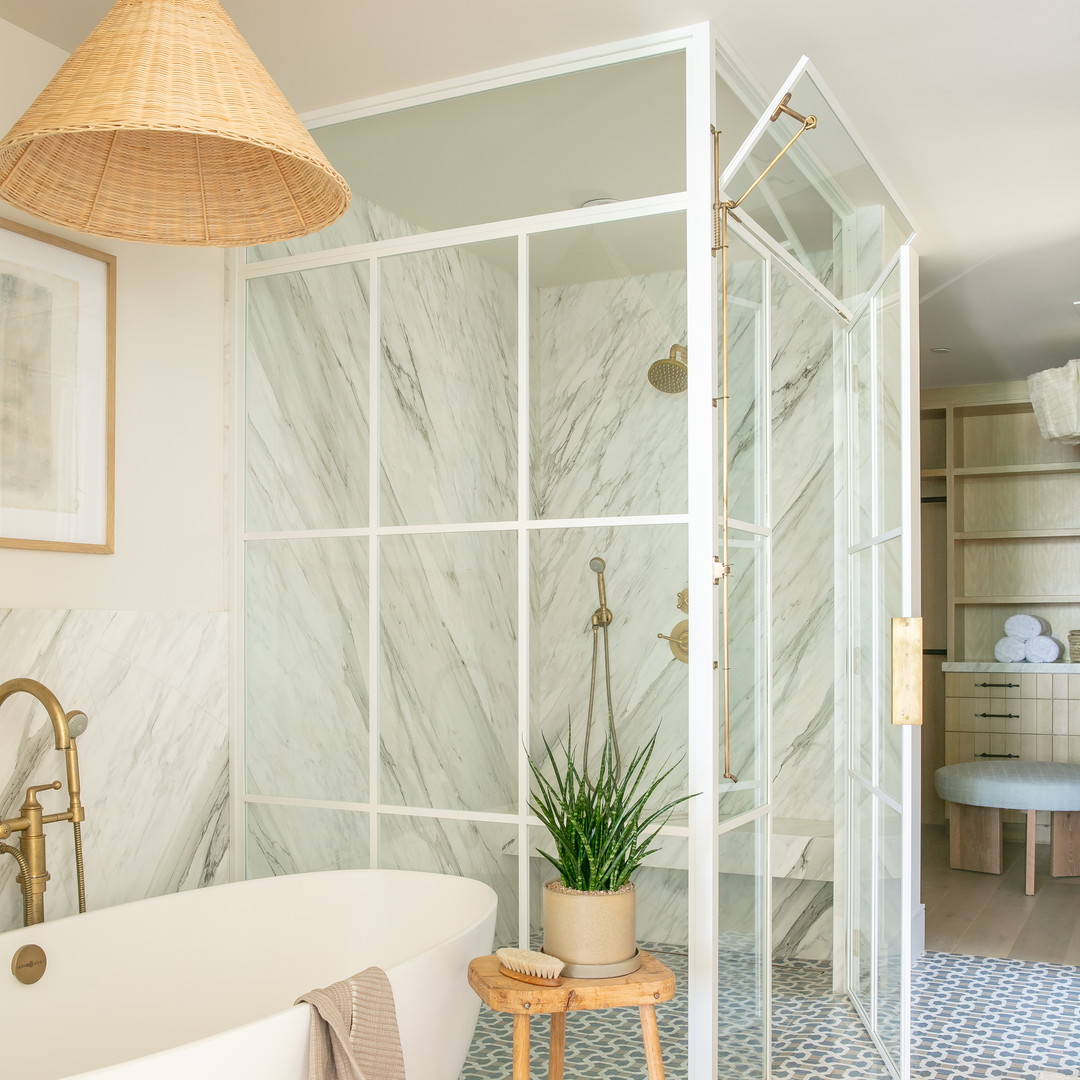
(164, 127)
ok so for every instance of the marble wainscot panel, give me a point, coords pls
(803, 571)
(154, 757)
(604, 440)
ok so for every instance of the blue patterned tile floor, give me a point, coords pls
(977, 1017)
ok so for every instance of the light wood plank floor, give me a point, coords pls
(989, 915)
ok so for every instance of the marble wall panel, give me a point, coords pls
(646, 568)
(283, 839)
(448, 691)
(448, 386)
(154, 757)
(604, 440)
(803, 552)
(747, 400)
(803, 618)
(306, 667)
(306, 398)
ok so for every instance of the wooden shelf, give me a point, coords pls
(1010, 521)
(1018, 534)
(1014, 470)
(1063, 598)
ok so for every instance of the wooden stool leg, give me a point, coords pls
(1065, 843)
(975, 841)
(651, 1036)
(521, 1046)
(557, 1051)
(1029, 872)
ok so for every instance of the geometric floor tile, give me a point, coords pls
(977, 1017)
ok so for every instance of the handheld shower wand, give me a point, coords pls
(601, 620)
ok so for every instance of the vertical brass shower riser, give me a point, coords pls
(722, 209)
(30, 854)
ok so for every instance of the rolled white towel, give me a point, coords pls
(1042, 650)
(1010, 650)
(1025, 626)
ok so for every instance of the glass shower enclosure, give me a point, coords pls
(444, 412)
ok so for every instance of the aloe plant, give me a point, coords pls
(602, 828)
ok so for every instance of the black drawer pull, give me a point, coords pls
(1000, 715)
(998, 755)
(1001, 685)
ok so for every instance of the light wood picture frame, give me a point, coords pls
(57, 392)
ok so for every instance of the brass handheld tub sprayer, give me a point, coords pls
(30, 854)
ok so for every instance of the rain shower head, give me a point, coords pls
(669, 374)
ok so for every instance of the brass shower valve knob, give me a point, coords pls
(679, 641)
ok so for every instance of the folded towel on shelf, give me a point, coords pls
(1025, 626)
(1010, 650)
(1055, 397)
(354, 1030)
(1042, 650)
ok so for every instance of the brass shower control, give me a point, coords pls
(679, 640)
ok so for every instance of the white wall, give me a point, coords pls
(170, 460)
(137, 639)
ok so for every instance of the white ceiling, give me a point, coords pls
(970, 107)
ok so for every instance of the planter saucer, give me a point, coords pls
(603, 971)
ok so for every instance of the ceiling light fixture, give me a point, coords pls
(164, 127)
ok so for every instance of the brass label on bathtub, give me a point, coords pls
(28, 964)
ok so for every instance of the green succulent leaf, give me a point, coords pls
(603, 827)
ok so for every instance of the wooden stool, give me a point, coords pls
(652, 982)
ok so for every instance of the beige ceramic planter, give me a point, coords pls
(595, 933)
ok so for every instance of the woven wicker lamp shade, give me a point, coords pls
(164, 127)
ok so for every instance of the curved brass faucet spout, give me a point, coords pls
(61, 721)
(29, 824)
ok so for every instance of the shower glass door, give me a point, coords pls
(881, 755)
(835, 232)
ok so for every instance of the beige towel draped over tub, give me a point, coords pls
(354, 1031)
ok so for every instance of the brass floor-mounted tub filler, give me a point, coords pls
(30, 854)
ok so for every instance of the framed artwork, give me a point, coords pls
(57, 408)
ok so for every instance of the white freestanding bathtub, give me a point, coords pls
(199, 985)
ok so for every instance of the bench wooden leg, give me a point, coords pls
(651, 1036)
(1065, 843)
(521, 1046)
(975, 840)
(1029, 852)
(557, 1050)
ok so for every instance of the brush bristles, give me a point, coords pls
(531, 963)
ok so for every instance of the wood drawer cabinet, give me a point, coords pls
(999, 711)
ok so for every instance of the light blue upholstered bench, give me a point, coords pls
(979, 790)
